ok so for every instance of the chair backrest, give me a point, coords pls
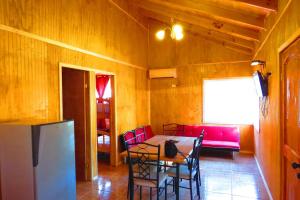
(193, 159)
(145, 156)
(140, 134)
(173, 129)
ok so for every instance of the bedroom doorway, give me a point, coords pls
(104, 117)
(84, 85)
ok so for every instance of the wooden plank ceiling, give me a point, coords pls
(236, 24)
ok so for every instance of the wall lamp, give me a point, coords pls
(262, 64)
(258, 62)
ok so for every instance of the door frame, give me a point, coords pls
(92, 138)
(281, 48)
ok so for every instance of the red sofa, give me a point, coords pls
(226, 137)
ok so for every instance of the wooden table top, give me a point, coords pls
(184, 145)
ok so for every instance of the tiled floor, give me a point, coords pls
(222, 178)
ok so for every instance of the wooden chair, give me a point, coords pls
(191, 170)
(141, 162)
(173, 129)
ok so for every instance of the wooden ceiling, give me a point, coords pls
(236, 24)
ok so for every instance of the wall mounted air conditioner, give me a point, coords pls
(162, 73)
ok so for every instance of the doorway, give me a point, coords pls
(104, 117)
(78, 86)
(290, 119)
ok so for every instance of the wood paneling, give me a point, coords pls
(268, 141)
(237, 31)
(191, 57)
(247, 138)
(192, 49)
(29, 67)
(183, 104)
(262, 5)
(242, 20)
(203, 8)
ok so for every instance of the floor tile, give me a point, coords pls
(223, 177)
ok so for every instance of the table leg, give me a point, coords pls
(177, 181)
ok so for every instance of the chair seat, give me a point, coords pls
(184, 172)
(149, 183)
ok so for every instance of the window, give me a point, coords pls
(107, 91)
(230, 101)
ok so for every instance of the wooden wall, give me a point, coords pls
(193, 49)
(195, 59)
(36, 35)
(267, 143)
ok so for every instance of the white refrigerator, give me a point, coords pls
(37, 162)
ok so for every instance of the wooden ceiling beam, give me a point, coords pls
(207, 33)
(226, 41)
(266, 5)
(203, 9)
(237, 31)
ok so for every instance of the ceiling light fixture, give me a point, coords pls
(160, 35)
(176, 32)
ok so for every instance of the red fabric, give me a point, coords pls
(140, 134)
(221, 133)
(220, 144)
(101, 83)
(148, 132)
(101, 124)
(218, 136)
(129, 137)
(192, 131)
(107, 123)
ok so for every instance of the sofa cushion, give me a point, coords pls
(192, 130)
(140, 134)
(129, 137)
(221, 133)
(221, 144)
(148, 132)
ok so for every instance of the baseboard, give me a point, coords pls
(263, 178)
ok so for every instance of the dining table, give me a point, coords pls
(184, 146)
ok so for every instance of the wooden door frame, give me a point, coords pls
(92, 152)
(281, 97)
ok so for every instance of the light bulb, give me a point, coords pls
(257, 62)
(254, 63)
(160, 35)
(176, 28)
(178, 36)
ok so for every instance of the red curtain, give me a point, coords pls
(101, 82)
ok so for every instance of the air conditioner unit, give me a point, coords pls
(162, 73)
